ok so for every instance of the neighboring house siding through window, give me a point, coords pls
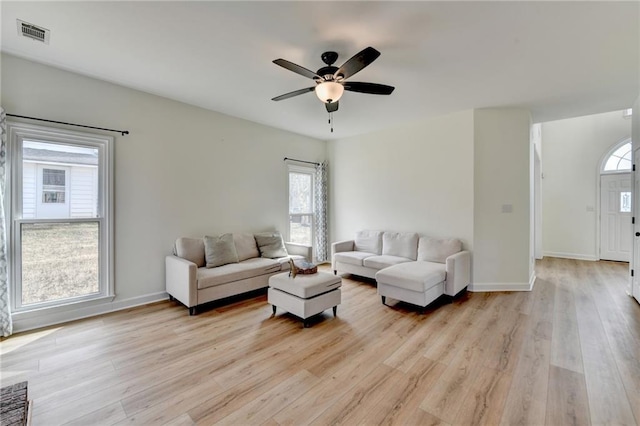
(63, 174)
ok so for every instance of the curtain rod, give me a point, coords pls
(300, 161)
(123, 132)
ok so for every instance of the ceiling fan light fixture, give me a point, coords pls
(329, 91)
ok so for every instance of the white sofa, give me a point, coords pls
(406, 266)
(189, 280)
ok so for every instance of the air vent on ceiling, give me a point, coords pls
(33, 31)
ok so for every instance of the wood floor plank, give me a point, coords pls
(410, 352)
(447, 343)
(401, 404)
(334, 385)
(110, 414)
(181, 420)
(564, 353)
(485, 400)
(565, 341)
(527, 397)
(567, 402)
(453, 386)
(269, 403)
(608, 402)
(362, 398)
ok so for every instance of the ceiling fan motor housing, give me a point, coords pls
(327, 72)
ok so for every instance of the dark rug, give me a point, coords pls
(14, 404)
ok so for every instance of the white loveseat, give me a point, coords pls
(190, 281)
(406, 266)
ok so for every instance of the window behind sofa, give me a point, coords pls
(301, 198)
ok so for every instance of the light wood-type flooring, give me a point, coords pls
(567, 353)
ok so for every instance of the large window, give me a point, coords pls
(301, 205)
(61, 217)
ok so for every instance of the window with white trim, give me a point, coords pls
(61, 229)
(301, 217)
(619, 160)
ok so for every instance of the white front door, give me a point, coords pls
(615, 217)
(635, 281)
(52, 192)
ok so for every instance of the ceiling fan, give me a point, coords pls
(331, 81)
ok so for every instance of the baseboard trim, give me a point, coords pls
(574, 256)
(482, 287)
(32, 320)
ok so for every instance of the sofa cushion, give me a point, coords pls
(369, 241)
(219, 250)
(271, 245)
(352, 257)
(383, 261)
(191, 249)
(245, 246)
(438, 249)
(236, 271)
(402, 244)
(416, 276)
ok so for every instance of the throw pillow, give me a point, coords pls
(271, 245)
(219, 250)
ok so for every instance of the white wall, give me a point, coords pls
(446, 176)
(418, 177)
(572, 152)
(502, 255)
(182, 171)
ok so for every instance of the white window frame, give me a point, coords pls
(18, 133)
(603, 161)
(292, 168)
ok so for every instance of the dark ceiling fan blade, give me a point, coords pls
(372, 88)
(331, 106)
(358, 62)
(296, 68)
(294, 93)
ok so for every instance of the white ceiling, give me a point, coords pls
(558, 59)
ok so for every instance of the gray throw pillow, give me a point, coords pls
(271, 245)
(219, 250)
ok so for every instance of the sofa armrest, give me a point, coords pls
(300, 250)
(340, 246)
(181, 280)
(458, 272)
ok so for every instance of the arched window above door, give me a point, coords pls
(619, 160)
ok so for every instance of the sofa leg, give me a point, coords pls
(273, 307)
(335, 272)
(171, 298)
(335, 311)
(384, 300)
(192, 310)
(305, 323)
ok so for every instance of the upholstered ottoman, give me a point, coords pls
(305, 295)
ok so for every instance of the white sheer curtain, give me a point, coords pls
(6, 326)
(321, 213)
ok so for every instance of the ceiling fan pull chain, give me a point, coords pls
(331, 121)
